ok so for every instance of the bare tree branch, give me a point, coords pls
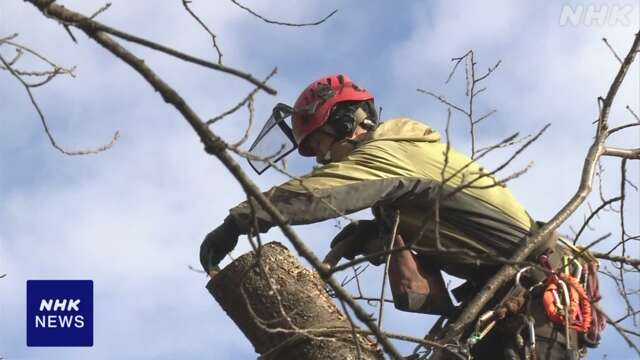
(623, 153)
(7, 38)
(243, 102)
(593, 214)
(100, 11)
(621, 259)
(633, 113)
(606, 42)
(623, 332)
(280, 22)
(44, 121)
(386, 269)
(186, 3)
(90, 26)
(443, 100)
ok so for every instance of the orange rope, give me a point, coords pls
(579, 305)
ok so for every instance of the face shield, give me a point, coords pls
(275, 140)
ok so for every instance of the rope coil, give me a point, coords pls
(576, 302)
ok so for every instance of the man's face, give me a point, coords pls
(320, 143)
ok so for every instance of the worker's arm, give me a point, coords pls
(417, 285)
(362, 180)
(329, 192)
(366, 177)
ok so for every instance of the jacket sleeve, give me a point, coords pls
(364, 179)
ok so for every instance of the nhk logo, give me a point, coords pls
(59, 313)
(592, 14)
(57, 305)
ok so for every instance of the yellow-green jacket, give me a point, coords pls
(399, 167)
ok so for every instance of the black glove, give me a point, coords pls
(218, 243)
(358, 233)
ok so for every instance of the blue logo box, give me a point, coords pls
(59, 313)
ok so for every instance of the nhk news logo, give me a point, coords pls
(59, 313)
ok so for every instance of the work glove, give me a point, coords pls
(361, 235)
(218, 243)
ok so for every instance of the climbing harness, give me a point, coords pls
(566, 294)
(510, 304)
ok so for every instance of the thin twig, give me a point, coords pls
(606, 42)
(244, 101)
(36, 54)
(100, 11)
(102, 148)
(245, 136)
(90, 27)
(618, 328)
(593, 214)
(354, 335)
(386, 269)
(502, 182)
(10, 37)
(443, 100)
(485, 116)
(68, 30)
(280, 22)
(186, 3)
(633, 113)
(622, 127)
(457, 60)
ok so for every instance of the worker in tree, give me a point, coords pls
(402, 171)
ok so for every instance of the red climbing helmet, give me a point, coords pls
(311, 110)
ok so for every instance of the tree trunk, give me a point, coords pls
(282, 308)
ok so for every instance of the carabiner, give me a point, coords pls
(478, 334)
(519, 275)
(577, 272)
(532, 333)
(556, 299)
(565, 294)
(565, 265)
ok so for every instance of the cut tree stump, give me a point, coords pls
(284, 319)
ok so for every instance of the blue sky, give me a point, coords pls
(132, 218)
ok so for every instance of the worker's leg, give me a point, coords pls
(554, 350)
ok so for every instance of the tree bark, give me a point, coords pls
(284, 309)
